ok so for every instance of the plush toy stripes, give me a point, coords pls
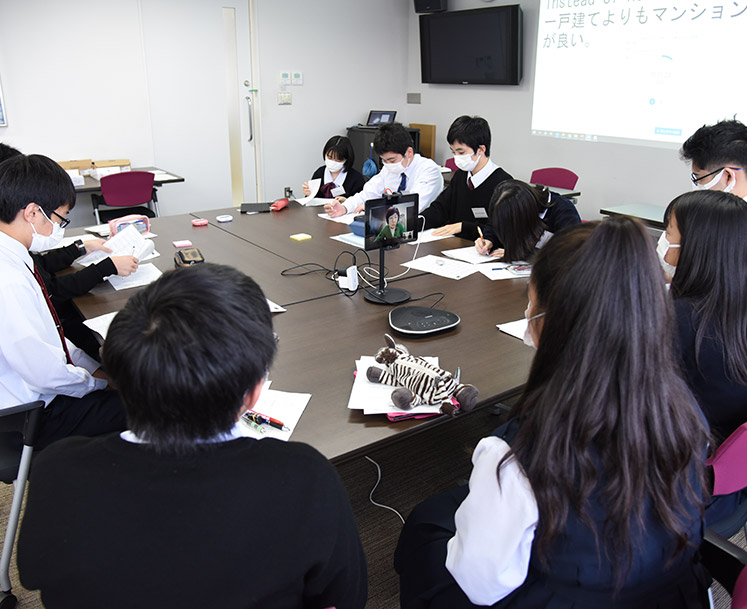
(429, 383)
(419, 382)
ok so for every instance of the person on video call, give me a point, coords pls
(393, 228)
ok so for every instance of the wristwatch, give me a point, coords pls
(81, 246)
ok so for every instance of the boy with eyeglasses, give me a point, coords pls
(37, 361)
(718, 157)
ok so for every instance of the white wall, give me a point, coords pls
(76, 84)
(352, 54)
(609, 174)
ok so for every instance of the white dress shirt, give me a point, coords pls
(338, 180)
(33, 365)
(423, 177)
(482, 175)
(489, 555)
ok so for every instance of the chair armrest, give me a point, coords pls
(21, 408)
(725, 545)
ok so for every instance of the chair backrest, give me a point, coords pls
(728, 462)
(555, 177)
(450, 164)
(127, 188)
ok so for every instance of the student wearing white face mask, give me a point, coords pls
(718, 157)
(464, 203)
(37, 361)
(706, 233)
(66, 287)
(403, 171)
(338, 176)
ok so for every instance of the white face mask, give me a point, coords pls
(465, 162)
(334, 166)
(42, 243)
(528, 339)
(713, 181)
(394, 167)
(662, 247)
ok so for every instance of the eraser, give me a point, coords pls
(224, 218)
(300, 237)
(182, 243)
(200, 222)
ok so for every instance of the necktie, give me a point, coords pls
(470, 186)
(55, 317)
(402, 183)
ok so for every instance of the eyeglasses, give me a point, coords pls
(695, 179)
(63, 221)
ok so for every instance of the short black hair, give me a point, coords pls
(392, 137)
(719, 145)
(342, 150)
(391, 211)
(473, 131)
(185, 350)
(7, 152)
(33, 179)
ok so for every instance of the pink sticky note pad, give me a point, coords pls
(183, 243)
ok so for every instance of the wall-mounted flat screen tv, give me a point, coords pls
(473, 47)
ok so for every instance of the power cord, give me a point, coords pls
(370, 495)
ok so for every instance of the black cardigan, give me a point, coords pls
(456, 202)
(353, 183)
(69, 286)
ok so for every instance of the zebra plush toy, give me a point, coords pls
(419, 382)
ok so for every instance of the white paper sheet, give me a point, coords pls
(274, 307)
(281, 405)
(445, 267)
(101, 324)
(514, 328)
(314, 186)
(375, 398)
(468, 254)
(426, 236)
(128, 242)
(496, 271)
(350, 239)
(145, 274)
(345, 219)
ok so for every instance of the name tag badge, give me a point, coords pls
(337, 191)
(479, 212)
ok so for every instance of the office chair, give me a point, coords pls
(451, 164)
(730, 476)
(726, 562)
(14, 469)
(129, 191)
(554, 177)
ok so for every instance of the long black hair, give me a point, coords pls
(711, 272)
(514, 212)
(605, 410)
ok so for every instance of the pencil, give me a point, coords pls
(479, 232)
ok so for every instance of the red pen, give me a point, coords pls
(270, 421)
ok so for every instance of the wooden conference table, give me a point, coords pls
(323, 332)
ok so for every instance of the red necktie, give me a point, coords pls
(469, 183)
(55, 317)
